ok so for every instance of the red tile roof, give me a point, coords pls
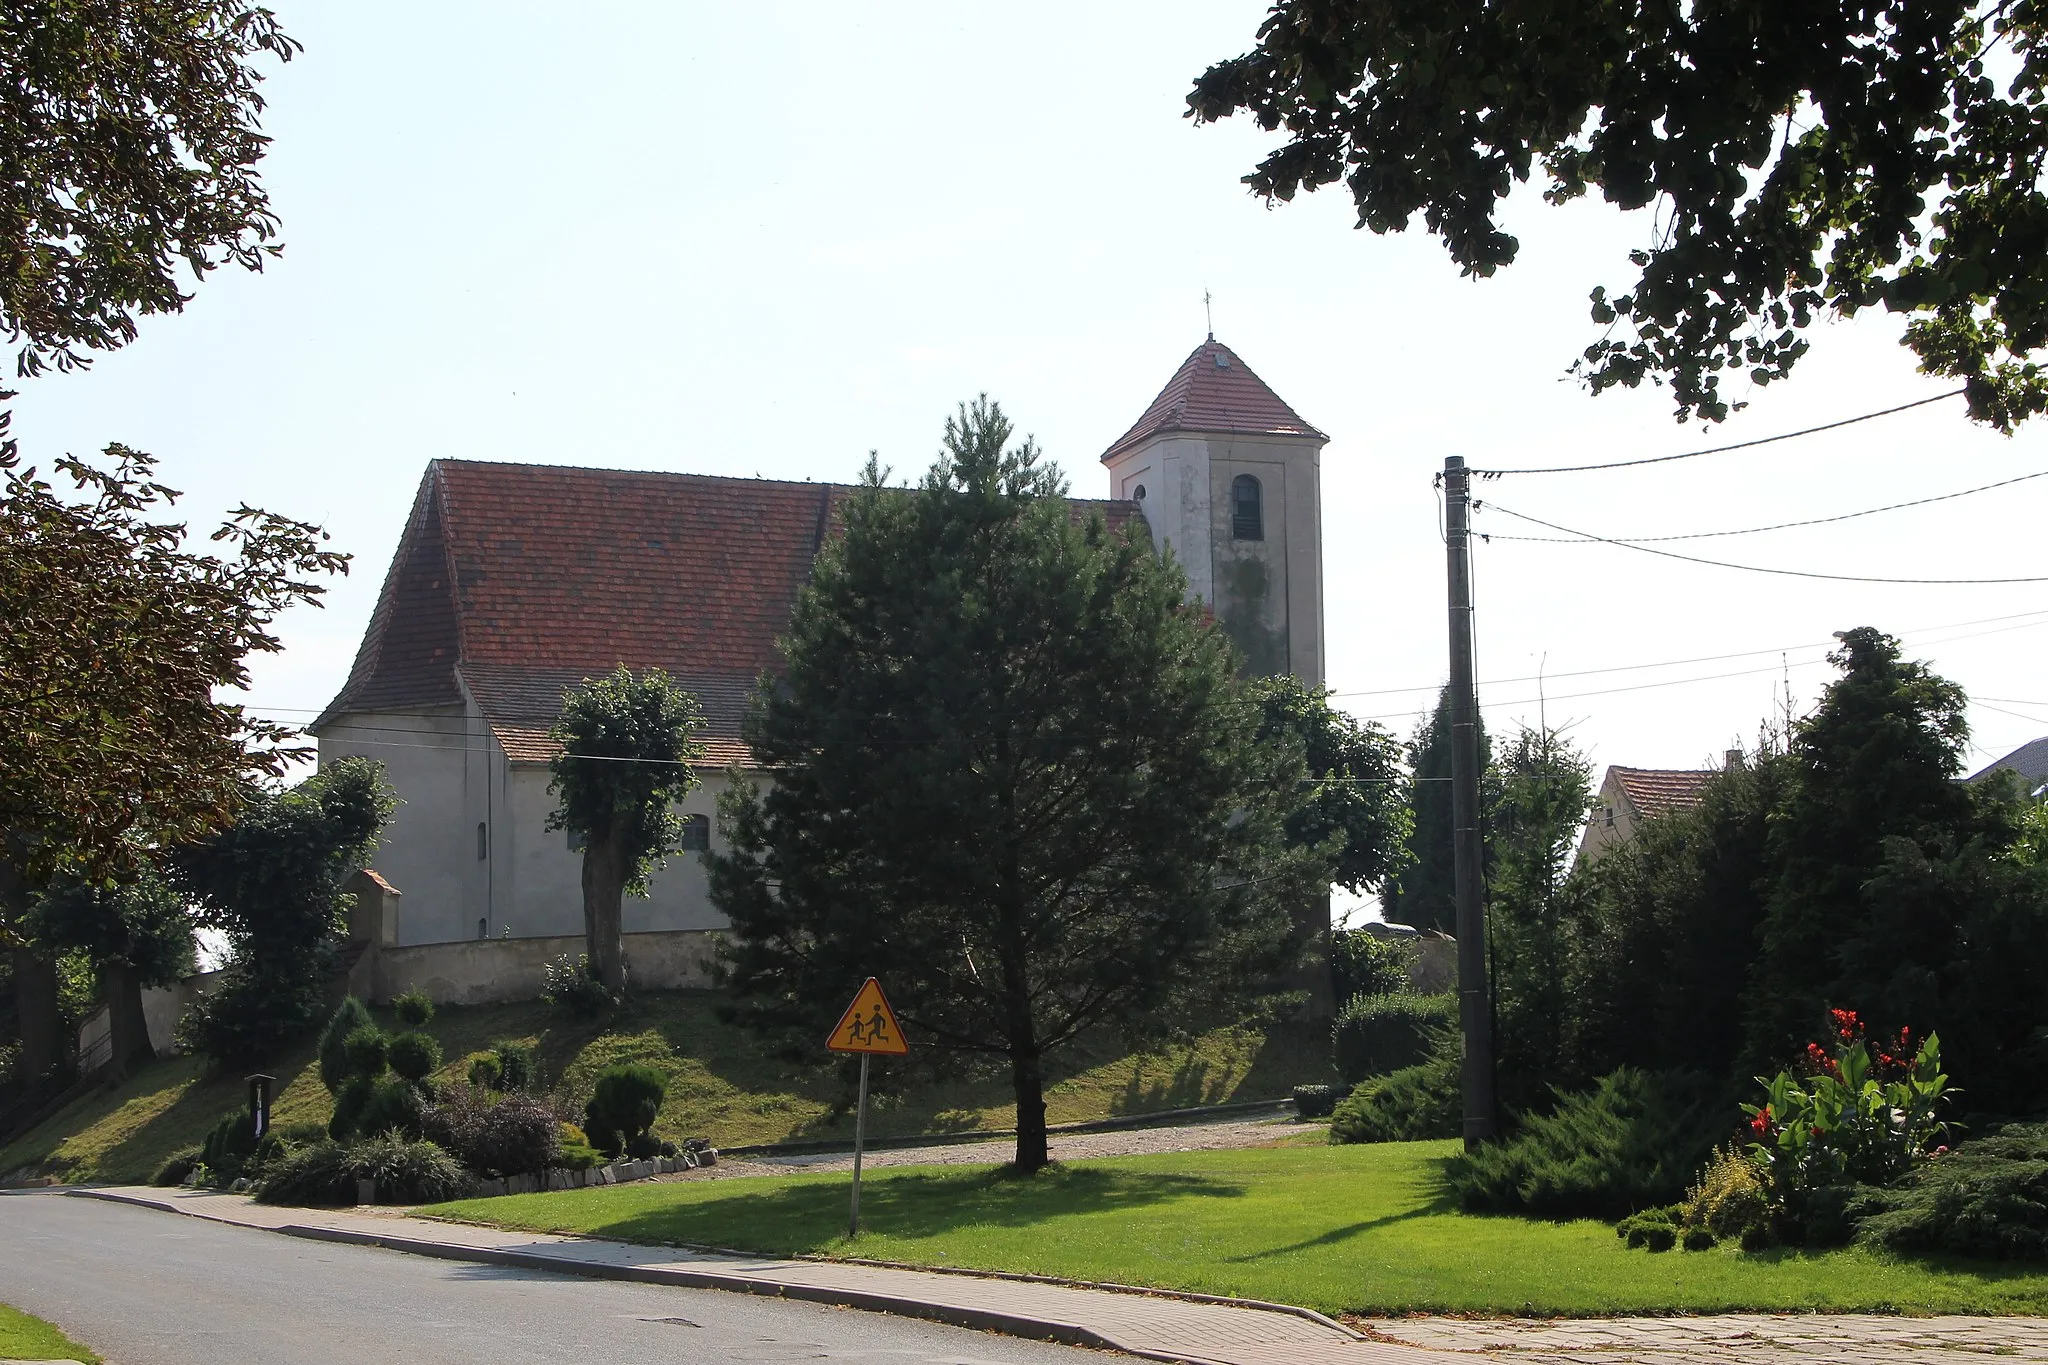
(1659, 791)
(1214, 391)
(516, 582)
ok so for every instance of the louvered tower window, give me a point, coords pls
(1247, 509)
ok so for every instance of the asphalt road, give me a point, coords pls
(146, 1288)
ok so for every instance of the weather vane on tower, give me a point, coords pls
(1207, 313)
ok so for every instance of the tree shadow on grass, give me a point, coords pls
(790, 1218)
(1432, 1195)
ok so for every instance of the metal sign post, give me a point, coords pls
(868, 1026)
(860, 1133)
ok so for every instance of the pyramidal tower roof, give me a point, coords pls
(1214, 391)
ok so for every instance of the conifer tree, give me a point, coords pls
(1015, 777)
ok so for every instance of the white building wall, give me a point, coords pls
(428, 851)
(1269, 594)
(452, 779)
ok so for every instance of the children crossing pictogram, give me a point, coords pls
(868, 1025)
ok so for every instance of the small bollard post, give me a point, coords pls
(259, 1102)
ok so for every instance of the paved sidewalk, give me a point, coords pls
(1737, 1338)
(1158, 1326)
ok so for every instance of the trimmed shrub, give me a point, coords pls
(624, 1105)
(1376, 1035)
(352, 1014)
(579, 1156)
(368, 1052)
(392, 1106)
(179, 1165)
(1629, 1143)
(1409, 1106)
(1988, 1198)
(506, 1135)
(516, 1070)
(408, 1171)
(486, 1072)
(415, 1056)
(1654, 1228)
(349, 1102)
(315, 1176)
(1315, 1101)
(230, 1145)
(414, 1009)
(253, 1014)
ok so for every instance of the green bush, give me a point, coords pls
(178, 1165)
(1729, 1198)
(1362, 963)
(1413, 1104)
(316, 1176)
(368, 1052)
(414, 1009)
(415, 1056)
(253, 1014)
(407, 1171)
(1630, 1143)
(392, 1106)
(349, 1102)
(230, 1145)
(516, 1070)
(578, 1156)
(1654, 1228)
(1988, 1198)
(1375, 1035)
(568, 985)
(351, 1015)
(486, 1072)
(624, 1105)
(1315, 1101)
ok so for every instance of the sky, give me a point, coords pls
(767, 239)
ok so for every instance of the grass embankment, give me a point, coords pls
(1340, 1229)
(721, 1086)
(23, 1337)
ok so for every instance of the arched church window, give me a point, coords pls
(696, 833)
(1247, 509)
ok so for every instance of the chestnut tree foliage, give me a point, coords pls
(1802, 157)
(1016, 778)
(129, 140)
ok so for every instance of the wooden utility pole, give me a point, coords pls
(1475, 1015)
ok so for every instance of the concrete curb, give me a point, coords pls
(1031, 1327)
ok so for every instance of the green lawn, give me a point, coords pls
(25, 1338)
(721, 1085)
(1341, 1229)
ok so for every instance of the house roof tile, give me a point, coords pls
(1659, 791)
(1214, 391)
(516, 582)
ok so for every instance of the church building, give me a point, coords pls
(513, 583)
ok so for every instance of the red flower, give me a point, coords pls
(1816, 1130)
(1761, 1124)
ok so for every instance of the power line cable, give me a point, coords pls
(1719, 450)
(1676, 663)
(1758, 568)
(1778, 526)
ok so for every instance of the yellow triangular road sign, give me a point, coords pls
(868, 1025)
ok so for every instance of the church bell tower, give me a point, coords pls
(1229, 476)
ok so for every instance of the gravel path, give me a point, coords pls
(1214, 1135)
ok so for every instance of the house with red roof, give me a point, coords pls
(512, 583)
(1629, 796)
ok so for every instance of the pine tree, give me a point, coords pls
(1015, 777)
(1423, 894)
